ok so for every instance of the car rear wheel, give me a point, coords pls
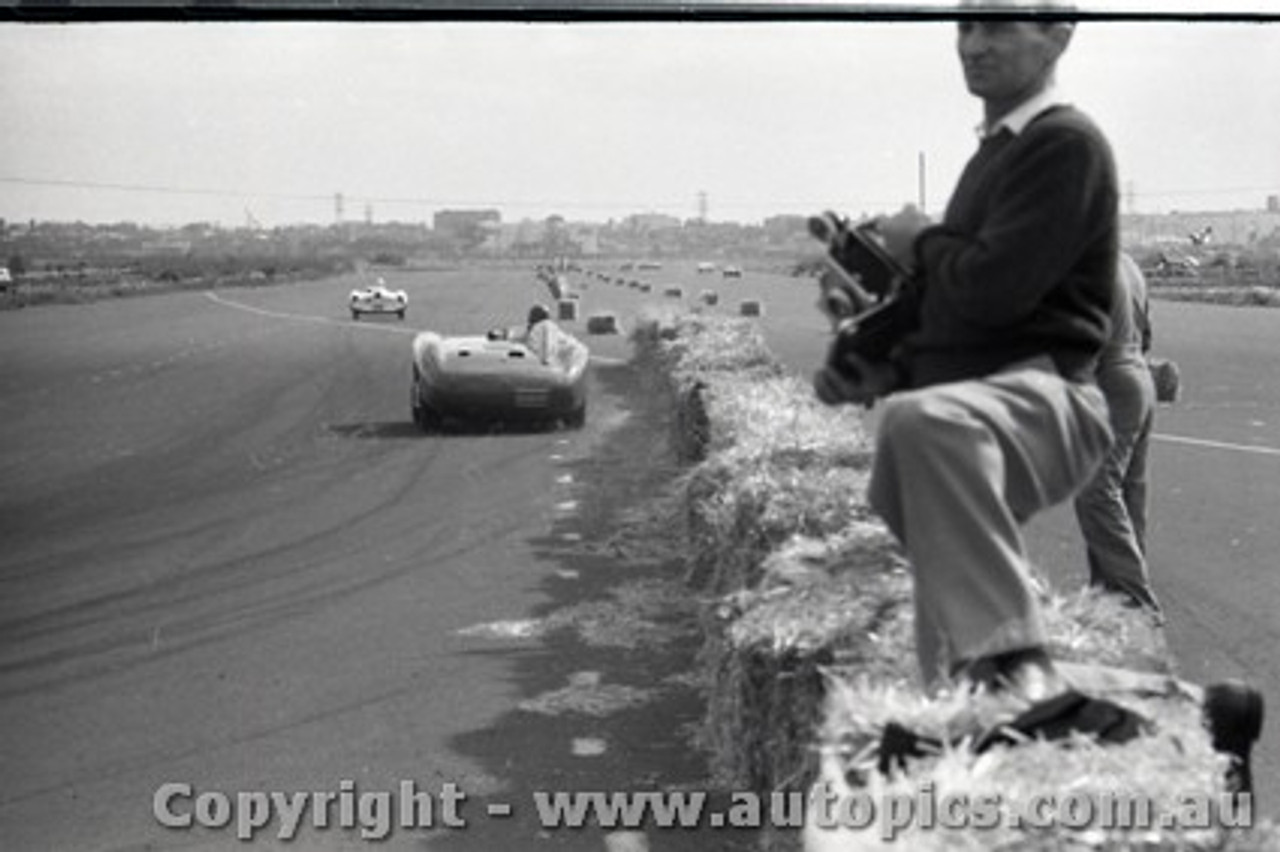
(355, 315)
(423, 415)
(577, 418)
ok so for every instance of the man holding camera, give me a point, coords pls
(991, 410)
(991, 413)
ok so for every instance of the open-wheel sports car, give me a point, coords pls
(378, 298)
(537, 376)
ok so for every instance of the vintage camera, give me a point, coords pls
(870, 298)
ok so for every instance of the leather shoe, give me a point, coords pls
(1233, 713)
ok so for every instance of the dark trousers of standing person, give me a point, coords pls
(1112, 508)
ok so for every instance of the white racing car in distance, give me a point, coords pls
(378, 299)
(538, 375)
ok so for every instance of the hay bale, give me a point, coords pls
(751, 308)
(1167, 378)
(646, 288)
(679, 345)
(602, 323)
(710, 298)
(673, 292)
(820, 602)
(568, 310)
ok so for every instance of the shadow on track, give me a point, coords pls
(407, 429)
(607, 701)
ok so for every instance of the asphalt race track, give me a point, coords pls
(229, 559)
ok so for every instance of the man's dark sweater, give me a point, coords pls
(1023, 261)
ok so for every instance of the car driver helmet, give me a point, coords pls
(537, 314)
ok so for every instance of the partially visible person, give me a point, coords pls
(550, 343)
(537, 332)
(1112, 508)
(537, 314)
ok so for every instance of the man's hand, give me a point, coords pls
(859, 381)
(900, 231)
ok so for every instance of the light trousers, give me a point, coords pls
(958, 469)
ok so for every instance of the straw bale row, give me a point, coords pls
(774, 475)
(808, 642)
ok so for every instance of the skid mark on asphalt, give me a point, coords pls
(140, 371)
(1254, 449)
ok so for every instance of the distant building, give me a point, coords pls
(786, 224)
(646, 222)
(531, 235)
(586, 236)
(1232, 227)
(462, 222)
(779, 227)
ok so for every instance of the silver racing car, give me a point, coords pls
(378, 298)
(536, 375)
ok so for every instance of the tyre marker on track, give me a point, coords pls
(1218, 445)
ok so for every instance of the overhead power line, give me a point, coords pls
(166, 190)
(628, 205)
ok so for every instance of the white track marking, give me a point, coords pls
(263, 312)
(346, 323)
(1218, 445)
(626, 841)
(588, 747)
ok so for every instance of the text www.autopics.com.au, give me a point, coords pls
(376, 814)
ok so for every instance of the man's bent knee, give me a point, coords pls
(916, 419)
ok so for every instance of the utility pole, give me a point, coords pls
(702, 207)
(920, 178)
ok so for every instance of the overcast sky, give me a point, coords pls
(169, 123)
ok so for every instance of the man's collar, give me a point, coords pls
(1020, 116)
